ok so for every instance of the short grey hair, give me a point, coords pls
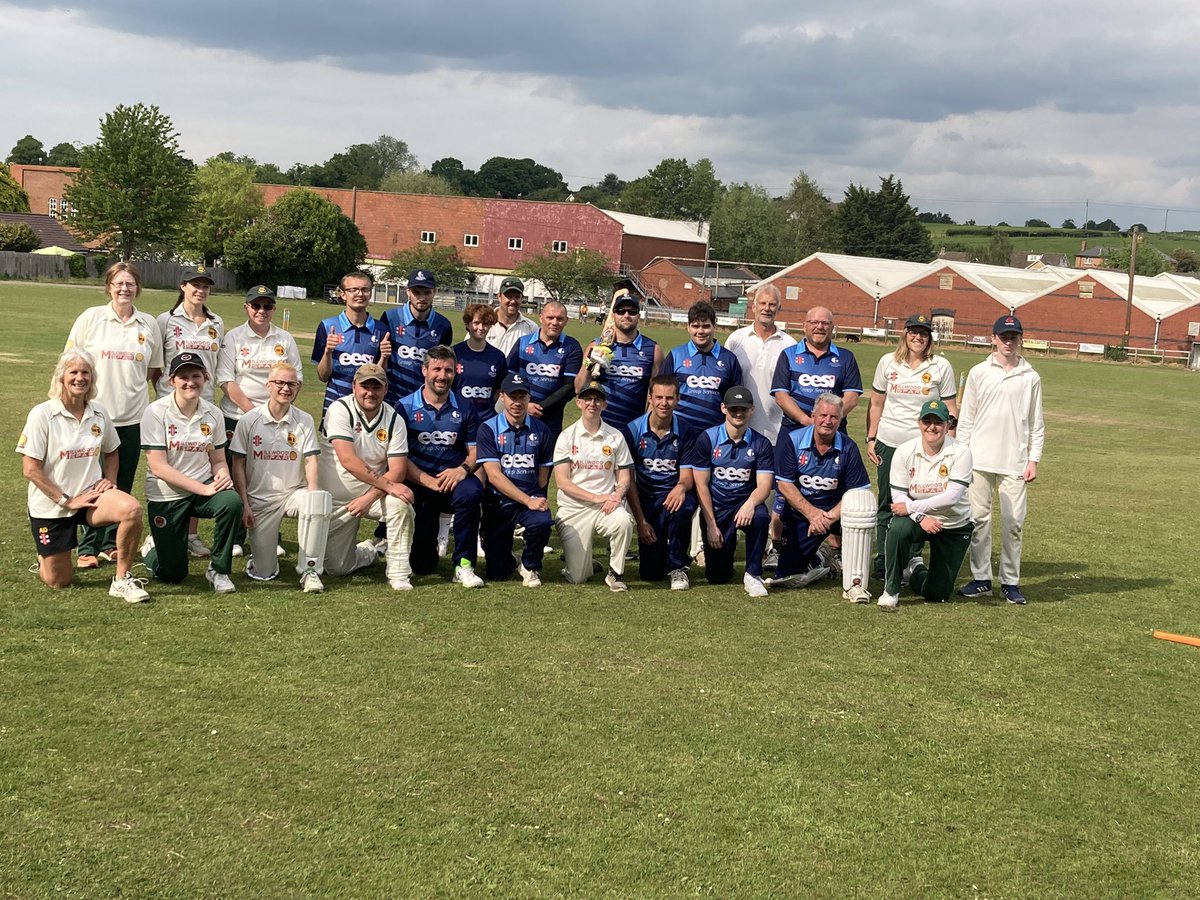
(69, 356)
(768, 290)
(829, 399)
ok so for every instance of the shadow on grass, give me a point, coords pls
(1055, 582)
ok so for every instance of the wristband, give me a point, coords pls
(870, 440)
(466, 469)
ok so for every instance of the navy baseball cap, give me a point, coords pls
(627, 301)
(919, 321)
(195, 273)
(514, 383)
(1007, 323)
(421, 278)
(185, 359)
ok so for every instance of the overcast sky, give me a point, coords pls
(984, 110)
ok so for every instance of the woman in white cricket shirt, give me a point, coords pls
(903, 382)
(191, 326)
(127, 351)
(70, 448)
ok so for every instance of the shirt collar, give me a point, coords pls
(833, 348)
(807, 439)
(347, 325)
(714, 350)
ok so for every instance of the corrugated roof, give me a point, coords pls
(869, 274)
(664, 229)
(1156, 297)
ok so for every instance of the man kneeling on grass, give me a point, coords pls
(929, 476)
(593, 472)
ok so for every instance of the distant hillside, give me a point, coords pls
(1058, 241)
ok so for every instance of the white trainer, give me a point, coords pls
(280, 553)
(616, 583)
(221, 582)
(197, 549)
(754, 586)
(400, 584)
(529, 578)
(465, 575)
(679, 580)
(911, 567)
(801, 579)
(857, 593)
(129, 589)
(310, 582)
(888, 602)
(147, 546)
(237, 549)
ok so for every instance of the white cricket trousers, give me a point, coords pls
(342, 554)
(576, 527)
(265, 534)
(1013, 490)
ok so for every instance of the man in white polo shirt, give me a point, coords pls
(275, 471)
(364, 461)
(593, 471)
(510, 325)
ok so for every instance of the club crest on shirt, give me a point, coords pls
(205, 429)
(533, 439)
(279, 349)
(22, 441)
(160, 521)
(925, 378)
(291, 439)
(943, 471)
(212, 332)
(382, 435)
(606, 450)
(96, 431)
(141, 338)
(139, 357)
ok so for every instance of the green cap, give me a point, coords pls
(935, 408)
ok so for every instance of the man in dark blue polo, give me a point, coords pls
(411, 330)
(635, 358)
(814, 468)
(662, 501)
(813, 367)
(516, 451)
(733, 467)
(441, 467)
(704, 369)
(348, 340)
(548, 361)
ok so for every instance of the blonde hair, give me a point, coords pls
(116, 268)
(60, 372)
(901, 354)
(284, 364)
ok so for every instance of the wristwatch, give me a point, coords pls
(918, 518)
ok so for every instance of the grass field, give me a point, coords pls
(569, 742)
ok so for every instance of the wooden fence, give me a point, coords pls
(32, 266)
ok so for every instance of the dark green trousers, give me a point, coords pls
(168, 561)
(947, 549)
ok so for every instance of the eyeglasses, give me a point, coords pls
(261, 306)
(816, 322)
(290, 385)
(625, 312)
(356, 290)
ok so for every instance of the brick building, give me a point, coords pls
(45, 186)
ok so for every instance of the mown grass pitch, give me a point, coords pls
(568, 741)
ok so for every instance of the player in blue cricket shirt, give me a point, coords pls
(733, 468)
(481, 367)
(813, 367)
(635, 358)
(348, 340)
(516, 451)
(548, 361)
(705, 371)
(663, 501)
(441, 468)
(412, 329)
(814, 468)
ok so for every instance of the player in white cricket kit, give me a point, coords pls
(1001, 421)
(364, 460)
(275, 471)
(70, 447)
(930, 475)
(593, 471)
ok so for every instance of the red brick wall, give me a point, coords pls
(538, 225)
(974, 310)
(42, 183)
(819, 285)
(664, 280)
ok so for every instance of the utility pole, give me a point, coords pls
(1133, 245)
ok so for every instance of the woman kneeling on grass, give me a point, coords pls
(929, 478)
(184, 439)
(71, 454)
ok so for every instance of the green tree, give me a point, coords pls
(882, 223)
(28, 151)
(418, 183)
(998, 251)
(503, 176)
(394, 156)
(580, 274)
(1036, 223)
(1150, 262)
(355, 167)
(812, 217)
(226, 202)
(1068, 223)
(63, 154)
(749, 226)
(673, 189)
(134, 189)
(440, 259)
(1185, 261)
(12, 196)
(302, 239)
(465, 180)
(18, 237)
